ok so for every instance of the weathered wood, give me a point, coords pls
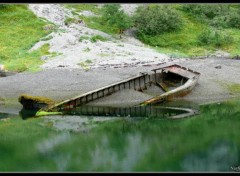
(102, 89)
(187, 74)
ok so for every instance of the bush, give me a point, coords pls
(234, 19)
(214, 37)
(220, 15)
(3, 6)
(94, 38)
(112, 15)
(205, 10)
(156, 19)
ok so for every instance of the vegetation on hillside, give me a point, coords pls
(20, 30)
(181, 30)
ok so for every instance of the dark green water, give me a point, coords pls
(208, 142)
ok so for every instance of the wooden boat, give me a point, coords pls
(175, 81)
(172, 81)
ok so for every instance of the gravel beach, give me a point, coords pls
(62, 76)
(60, 84)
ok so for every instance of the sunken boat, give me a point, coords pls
(171, 81)
(175, 81)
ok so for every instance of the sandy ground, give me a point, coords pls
(112, 61)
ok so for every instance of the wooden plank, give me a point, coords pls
(97, 90)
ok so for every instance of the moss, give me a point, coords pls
(234, 88)
(44, 113)
(37, 99)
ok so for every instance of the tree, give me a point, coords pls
(112, 15)
(156, 19)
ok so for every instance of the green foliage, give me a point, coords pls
(3, 6)
(235, 88)
(30, 62)
(234, 19)
(95, 38)
(83, 37)
(81, 7)
(157, 19)
(214, 37)
(217, 15)
(20, 30)
(68, 21)
(112, 15)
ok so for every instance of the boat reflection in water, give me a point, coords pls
(150, 111)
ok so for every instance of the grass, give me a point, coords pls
(95, 38)
(84, 7)
(185, 43)
(93, 22)
(124, 145)
(83, 37)
(15, 20)
(235, 88)
(182, 43)
(85, 64)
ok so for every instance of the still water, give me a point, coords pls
(208, 142)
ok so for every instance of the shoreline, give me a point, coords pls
(61, 84)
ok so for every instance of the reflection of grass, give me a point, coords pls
(144, 145)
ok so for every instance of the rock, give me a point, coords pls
(218, 67)
(61, 65)
(2, 67)
(43, 58)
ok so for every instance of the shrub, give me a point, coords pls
(94, 38)
(234, 19)
(3, 6)
(206, 10)
(156, 19)
(219, 15)
(214, 37)
(68, 21)
(112, 15)
(84, 37)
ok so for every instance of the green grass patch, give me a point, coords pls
(85, 65)
(235, 88)
(83, 7)
(20, 30)
(187, 41)
(95, 23)
(95, 38)
(29, 62)
(83, 37)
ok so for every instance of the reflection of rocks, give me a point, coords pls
(220, 156)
